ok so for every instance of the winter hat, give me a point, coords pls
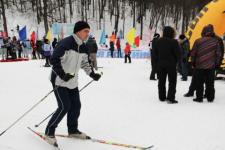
(80, 25)
(208, 30)
(182, 37)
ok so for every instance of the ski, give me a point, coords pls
(42, 136)
(112, 143)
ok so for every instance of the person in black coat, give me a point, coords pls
(93, 49)
(167, 56)
(153, 59)
(183, 62)
(54, 43)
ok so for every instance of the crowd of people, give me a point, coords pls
(115, 44)
(12, 49)
(169, 56)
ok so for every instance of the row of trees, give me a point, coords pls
(155, 13)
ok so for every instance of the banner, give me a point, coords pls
(136, 54)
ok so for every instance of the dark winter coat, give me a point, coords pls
(92, 45)
(185, 49)
(111, 46)
(206, 52)
(153, 49)
(221, 45)
(54, 43)
(167, 52)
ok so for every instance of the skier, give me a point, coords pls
(153, 59)
(69, 56)
(93, 49)
(127, 52)
(206, 57)
(167, 55)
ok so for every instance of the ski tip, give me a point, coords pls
(148, 148)
(56, 145)
(2, 133)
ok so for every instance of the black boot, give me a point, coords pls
(189, 94)
(172, 101)
(198, 100)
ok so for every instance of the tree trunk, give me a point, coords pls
(45, 16)
(71, 10)
(4, 18)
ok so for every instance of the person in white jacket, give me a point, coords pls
(47, 52)
(69, 56)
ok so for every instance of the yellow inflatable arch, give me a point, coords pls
(213, 13)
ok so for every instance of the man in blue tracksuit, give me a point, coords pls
(69, 56)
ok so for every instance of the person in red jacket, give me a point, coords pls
(127, 52)
(118, 46)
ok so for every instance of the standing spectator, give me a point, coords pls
(54, 43)
(153, 57)
(185, 48)
(20, 49)
(14, 45)
(8, 47)
(111, 48)
(27, 48)
(2, 47)
(32, 46)
(118, 46)
(93, 49)
(206, 57)
(193, 86)
(167, 56)
(111, 43)
(47, 52)
(127, 52)
(39, 47)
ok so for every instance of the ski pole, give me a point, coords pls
(28, 111)
(37, 125)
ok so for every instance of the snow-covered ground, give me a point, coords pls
(122, 107)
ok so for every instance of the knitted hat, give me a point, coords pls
(80, 25)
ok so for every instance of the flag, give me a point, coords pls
(103, 38)
(137, 41)
(33, 37)
(23, 34)
(112, 38)
(130, 36)
(49, 35)
(121, 34)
